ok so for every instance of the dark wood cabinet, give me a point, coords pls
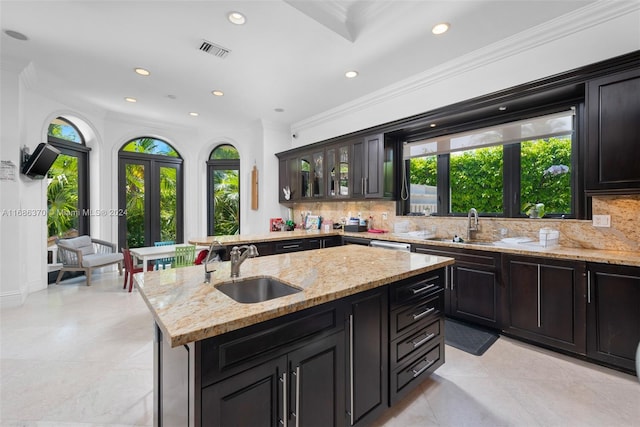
(322, 242)
(254, 397)
(416, 331)
(354, 168)
(546, 301)
(367, 365)
(373, 166)
(288, 178)
(613, 132)
(613, 322)
(473, 289)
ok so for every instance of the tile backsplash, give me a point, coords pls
(624, 233)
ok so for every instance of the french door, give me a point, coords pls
(149, 199)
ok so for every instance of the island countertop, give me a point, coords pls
(188, 310)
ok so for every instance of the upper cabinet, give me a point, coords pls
(613, 132)
(360, 167)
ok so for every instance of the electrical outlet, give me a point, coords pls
(384, 216)
(602, 220)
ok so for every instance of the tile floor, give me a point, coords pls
(78, 356)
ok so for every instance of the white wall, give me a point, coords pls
(603, 31)
(25, 116)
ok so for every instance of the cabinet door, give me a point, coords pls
(547, 302)
(316, 379)
(373, 178)
(367, 366)
(358, 169)
(288, 178)
(614, 314)
(475, 295)
(251, 398)
(613, 108)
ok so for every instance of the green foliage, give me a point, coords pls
(225, 152)
(226, 192)
(62, 196)
(476, 177)
(536, 186)
(135, 205)
(476, 180)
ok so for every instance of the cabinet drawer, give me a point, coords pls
(226, 354)
(417, 315)
(406, 378)
(411, 290)
(407, 346)
(289, 246)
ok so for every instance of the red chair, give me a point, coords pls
(129, 269)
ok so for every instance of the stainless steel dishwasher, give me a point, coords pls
(396, 246)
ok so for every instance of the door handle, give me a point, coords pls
(285, 408)
(351, 394)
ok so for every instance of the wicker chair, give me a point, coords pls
(84, 253)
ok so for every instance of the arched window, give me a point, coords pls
(68, 189)
(223, 189)
(150, 193)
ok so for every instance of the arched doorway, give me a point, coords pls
(150, 193)
(68, 188)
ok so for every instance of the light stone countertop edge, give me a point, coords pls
(188, 310)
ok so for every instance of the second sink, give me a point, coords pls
(256, 289)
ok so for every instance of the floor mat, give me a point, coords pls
(466, 337)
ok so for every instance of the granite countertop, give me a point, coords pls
(189, 310)
(631, 258)
(529, 249)
(245, 239)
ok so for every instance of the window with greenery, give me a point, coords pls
(502, 170)
(150, 193)
(68, 183)
(223, 177)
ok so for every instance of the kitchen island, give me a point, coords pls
(365, 328)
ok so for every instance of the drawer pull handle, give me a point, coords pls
(424, 313)
(424, 368)
(423, 340)
(422, 289)
(290, 246)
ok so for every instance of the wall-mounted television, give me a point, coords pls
(37, 164)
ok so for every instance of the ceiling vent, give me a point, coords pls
(214, 49)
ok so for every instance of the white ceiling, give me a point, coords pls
(290, 54)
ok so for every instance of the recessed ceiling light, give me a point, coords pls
(351, 74)
(440, 28)
(16, 35)
(218, 93)
(236, 18)
(279, 110)
(194, 114)
(502, 108)
(129, 99)
(432, 125)
(141, 71)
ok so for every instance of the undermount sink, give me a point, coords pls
(256, 289)
(466, 242)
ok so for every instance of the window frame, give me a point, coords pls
(511, 166)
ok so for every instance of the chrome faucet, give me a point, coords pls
(237, 258)
(214, 248)
(472, 226)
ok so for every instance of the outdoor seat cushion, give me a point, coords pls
(81, 242)
(96, 260)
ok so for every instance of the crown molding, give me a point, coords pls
(555, 29)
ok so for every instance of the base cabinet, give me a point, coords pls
(546, 301)
(613, 330)
(329, 365)
(472, 288)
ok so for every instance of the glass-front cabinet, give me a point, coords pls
(338, 171)
(312, 175)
